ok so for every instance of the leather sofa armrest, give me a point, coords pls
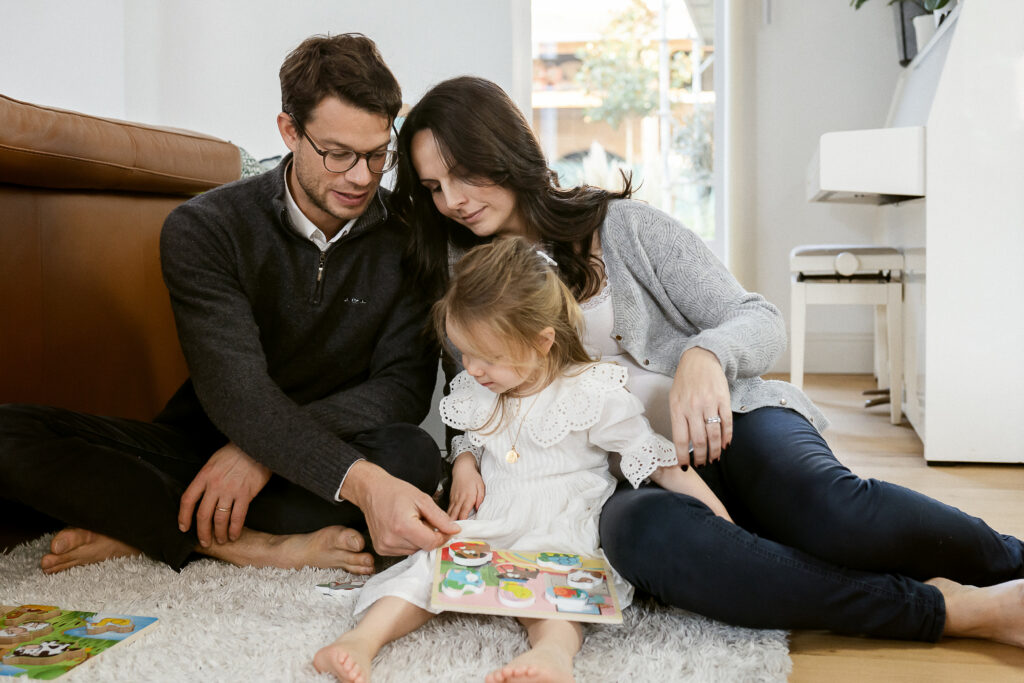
(48, 147)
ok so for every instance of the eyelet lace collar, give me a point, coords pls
(575, 404)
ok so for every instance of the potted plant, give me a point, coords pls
(928, 6)
(916, 21)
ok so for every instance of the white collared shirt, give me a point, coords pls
(305, 227)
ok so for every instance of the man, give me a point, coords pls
(308, 365)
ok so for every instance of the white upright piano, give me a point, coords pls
(945, 178)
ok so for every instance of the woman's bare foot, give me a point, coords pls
(346, 658)
(539, 665)
(989, 612)
(73, 547)
(333, 547)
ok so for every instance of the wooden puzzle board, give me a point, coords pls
(546, 585)
(44, 641)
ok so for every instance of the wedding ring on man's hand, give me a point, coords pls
(712, 420)
(224, 509)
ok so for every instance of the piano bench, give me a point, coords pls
(852, 274)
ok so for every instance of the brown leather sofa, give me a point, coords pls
(85, 320)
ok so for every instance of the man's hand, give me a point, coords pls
(467, 487)
(401, 518)
(700, 391)
(225, 485)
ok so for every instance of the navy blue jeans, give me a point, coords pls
(814, 547)
(124, 478)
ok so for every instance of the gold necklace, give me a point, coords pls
(513, 455)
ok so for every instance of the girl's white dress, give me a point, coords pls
(551, 497)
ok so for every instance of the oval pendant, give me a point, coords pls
(511, 456)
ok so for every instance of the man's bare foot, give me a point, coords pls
(539, 665)
(73, 547)
(347, 658)
(333, 547)
(989, 612)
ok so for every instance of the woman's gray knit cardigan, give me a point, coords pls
(670, 293)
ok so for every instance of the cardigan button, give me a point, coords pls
(742, 408)
(646, 362)
(618, 337)
(782, 401)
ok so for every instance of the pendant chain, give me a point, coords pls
(513, 455)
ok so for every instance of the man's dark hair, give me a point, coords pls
(347, 66)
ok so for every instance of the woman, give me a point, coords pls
(814, 546)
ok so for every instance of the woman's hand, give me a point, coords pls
(467, 487)
(700, 391)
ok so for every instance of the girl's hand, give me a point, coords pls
(700, 391)
(467, 487)
(689, 483)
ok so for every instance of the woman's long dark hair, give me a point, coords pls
(484, 138)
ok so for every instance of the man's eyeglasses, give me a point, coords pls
(343, 160)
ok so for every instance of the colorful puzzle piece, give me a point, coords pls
(513, 594)
(30, 613)
(470, 553)
(460, 582)
(586, 579)
(46, 652)
(559, 562)
(28, 630)
(95, 625)
(332, 587)
(514, 572)
(567, 598)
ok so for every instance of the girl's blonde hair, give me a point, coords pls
(512, 290)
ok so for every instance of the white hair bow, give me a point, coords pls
(550, 261)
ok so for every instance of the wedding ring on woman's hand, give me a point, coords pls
(712, 420)
(224, 509)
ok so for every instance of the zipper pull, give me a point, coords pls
(320, 268)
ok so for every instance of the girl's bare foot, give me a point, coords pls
(989, 612)
(346, 658)
(73, 547)
(539, 665)
(333, 547)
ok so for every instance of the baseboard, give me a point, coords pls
(831, 352)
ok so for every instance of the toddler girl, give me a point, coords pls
(539, 419)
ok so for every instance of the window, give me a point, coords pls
(628, 85)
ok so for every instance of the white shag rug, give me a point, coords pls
(218, 622)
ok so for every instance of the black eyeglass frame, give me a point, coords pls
(390, 163)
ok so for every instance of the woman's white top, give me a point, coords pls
(551, 497)
(651, 388)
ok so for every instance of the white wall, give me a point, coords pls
(212, 66)
(64, 53)
(814, 67)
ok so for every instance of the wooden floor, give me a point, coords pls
(866, 442)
